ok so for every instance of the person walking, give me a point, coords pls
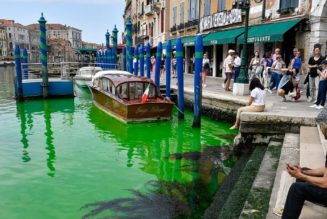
(205, 69)
(228, 66)
(313, 65)
(321, 98)
(257, 101)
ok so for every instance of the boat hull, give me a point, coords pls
(132, 113)
(82, 82)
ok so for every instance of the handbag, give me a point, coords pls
(306, 80)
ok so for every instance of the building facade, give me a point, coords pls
(284, 24)
(63, 33)
(3, 43)
(17, 34)
(149, 19)
(34, 51)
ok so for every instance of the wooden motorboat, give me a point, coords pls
(84, 75)
(129, 98)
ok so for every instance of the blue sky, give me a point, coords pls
(93, 17)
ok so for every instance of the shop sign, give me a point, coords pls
(220, 19)
(259, 39)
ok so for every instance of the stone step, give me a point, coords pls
(322, 139)
(289, 154)
(257, 202)
(311, 150)
(312, 155)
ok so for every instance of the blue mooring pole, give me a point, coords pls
(141, 55)
(197, 82)
(115, 45)
(180, 77)
(158, 65)
(129, 46)
(44, 56)
(19, 93)
(124, 59)
(96, 59)
(25, 64)
(107, 40)
(106, 59)
(168, 68)
(148, 60)
(135, 61)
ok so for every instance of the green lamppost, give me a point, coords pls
(243, 76)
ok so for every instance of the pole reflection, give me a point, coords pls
(49, 140)
(23, 128)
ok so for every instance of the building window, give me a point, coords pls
(9, 35)
(207, 5)
(162, 20)
(193, 10)
(182, 13)
(174, 15)
(221, 5)
(288, 4)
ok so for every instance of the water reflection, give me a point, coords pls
(25, 112)
(49, 140)
(23, 128)
(188, 173)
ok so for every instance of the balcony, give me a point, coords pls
(191, 24)
(173, 28)
(148, 9)
(180, 26)
(159, 4)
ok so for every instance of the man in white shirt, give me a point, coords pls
(228, 66)
(237, 65)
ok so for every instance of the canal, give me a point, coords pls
(64, 158)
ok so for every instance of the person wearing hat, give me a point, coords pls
(228, 66)
(321, 98)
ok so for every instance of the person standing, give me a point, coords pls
(296, 68)
(205, 69)
(254, 65)
(314, 63)
(321, 98)
(228, 65)
(277, 53)
(237, 65)
(267, 64)
(276, 75)
(174, 62)
(153, 63)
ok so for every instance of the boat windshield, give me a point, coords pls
(135, 90)
(88, 72)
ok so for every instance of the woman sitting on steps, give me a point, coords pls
(256, 102)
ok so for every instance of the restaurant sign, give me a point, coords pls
(220, 19)
(259, 39)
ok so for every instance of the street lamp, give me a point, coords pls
(243, 76)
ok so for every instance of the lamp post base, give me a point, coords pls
(240, 89)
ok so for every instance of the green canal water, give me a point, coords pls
(64, 158)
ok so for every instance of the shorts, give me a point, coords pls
(288, 87)
(229, 75)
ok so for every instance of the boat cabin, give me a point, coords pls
(126, 87)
